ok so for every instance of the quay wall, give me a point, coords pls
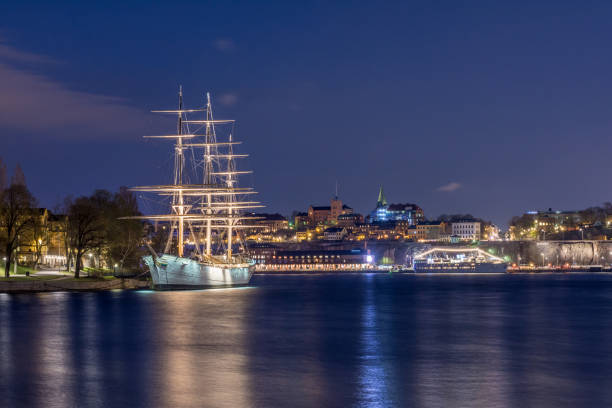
(524, 252)
(61, 285)
(554, 252)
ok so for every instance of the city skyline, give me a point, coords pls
(492, 110)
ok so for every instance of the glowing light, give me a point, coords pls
(442, 249)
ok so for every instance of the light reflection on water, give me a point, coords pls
(311, 341)
(373, 378)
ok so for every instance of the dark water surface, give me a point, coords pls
(316, 341)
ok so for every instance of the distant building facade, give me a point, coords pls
(384, 212)
(334, 234)
(350, 220)
(430, 230)
(301, 221)
(466, 230)
(327, 214)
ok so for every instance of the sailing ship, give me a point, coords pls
(206, 206)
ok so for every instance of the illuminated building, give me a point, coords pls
(410, 233)
(553, 217)
(269, 223)
(334, 233)
(56, 249)
(490, 233)
(300, 221)
(349, 220)
(327, 214)
(384, 212)
(466, 230)
(44, 239)
(271, 259)
(430, 230)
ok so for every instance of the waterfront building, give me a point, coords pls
(466, 230)
(385, 212)
(430, 230)
(410, 233)
(275, 259)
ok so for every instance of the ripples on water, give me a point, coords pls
(314, 341)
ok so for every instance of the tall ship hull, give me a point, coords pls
(172, 272)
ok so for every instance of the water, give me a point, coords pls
(317, 341)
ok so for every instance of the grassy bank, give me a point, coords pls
(21, 270)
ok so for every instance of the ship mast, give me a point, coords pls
(217, 198)
(180, 208)
(208, 170)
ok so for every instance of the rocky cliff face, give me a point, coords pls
(524, 252)
(555, 252)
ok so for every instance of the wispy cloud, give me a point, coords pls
(228, 99)
(450, 187)
(9, 53)
(224, 44)
(33, 101)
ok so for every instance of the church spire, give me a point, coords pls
(382, 201)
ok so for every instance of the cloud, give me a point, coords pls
(32, 101)
(224, 44)
(228, 99)
(450, 187)
(10, 54)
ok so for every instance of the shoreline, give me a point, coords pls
(20, 286)
(70, 285)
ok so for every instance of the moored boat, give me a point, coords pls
(448, 260)
(206, 208)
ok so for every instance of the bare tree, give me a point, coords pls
(16, 204)
(61, 211)
(38, 234)
(124, 235)
(85, 229)
(3, 176)
(18, 177)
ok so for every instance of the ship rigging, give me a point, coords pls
(205, 197)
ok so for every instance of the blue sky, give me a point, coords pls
(491, 108)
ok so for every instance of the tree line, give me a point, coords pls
(593, 217)
(90, 225)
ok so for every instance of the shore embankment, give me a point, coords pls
(21, 285)
(538, 253)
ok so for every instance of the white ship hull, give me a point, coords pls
(172, 272)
